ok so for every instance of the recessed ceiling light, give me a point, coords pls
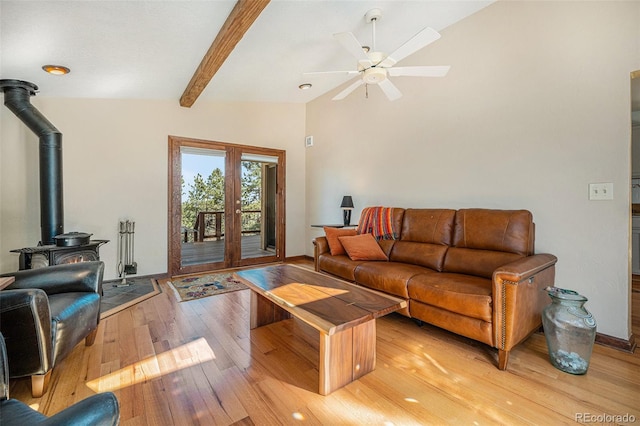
(56, 69)
(305, 86)
(366, 49)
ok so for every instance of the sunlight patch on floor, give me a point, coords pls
(435, 363)
(187, 355)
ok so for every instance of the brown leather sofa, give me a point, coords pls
(469, 271)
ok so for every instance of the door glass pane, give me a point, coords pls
(203, 201)
(258, 234)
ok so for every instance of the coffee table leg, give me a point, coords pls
(263, 311)
(364, 349)
(346, 355)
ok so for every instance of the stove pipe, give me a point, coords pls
(16, 98)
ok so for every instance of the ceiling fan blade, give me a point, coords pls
(415, 43)
(359, 82)
(419, 71)
(351, 43)
(352, 72)
(390, 89)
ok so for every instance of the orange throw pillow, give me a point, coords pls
(335, 246)
(363, 247)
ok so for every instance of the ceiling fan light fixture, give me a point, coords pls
(56, 69)
(305, 86)
(374, 75)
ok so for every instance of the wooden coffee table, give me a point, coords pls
(343, 313)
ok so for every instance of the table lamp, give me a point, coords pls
(347, 206)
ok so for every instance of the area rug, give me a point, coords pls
(190, 288)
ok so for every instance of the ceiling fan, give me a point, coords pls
(376, 67)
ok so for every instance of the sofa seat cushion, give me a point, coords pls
(463, 294)
(463, 325)
(340, 266)
(390, 277)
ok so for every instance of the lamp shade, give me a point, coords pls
(347, 202)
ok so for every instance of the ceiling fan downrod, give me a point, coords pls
(371, 17)
(373, 36)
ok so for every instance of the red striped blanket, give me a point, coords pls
(377, 221)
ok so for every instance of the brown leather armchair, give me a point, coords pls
(45, 313)
(97, 410)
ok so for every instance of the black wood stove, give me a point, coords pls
(41, 256)
(55, 247)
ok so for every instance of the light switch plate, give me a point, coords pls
(308, 141)
(601, 191)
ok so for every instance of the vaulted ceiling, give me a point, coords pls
(151, 49)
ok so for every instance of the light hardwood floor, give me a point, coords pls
(197, 362)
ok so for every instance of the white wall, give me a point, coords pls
(536, 106)
(115, 160)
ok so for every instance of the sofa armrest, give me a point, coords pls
(320, 246)
(519, 297)
(26, 327)
(525, 268)
(73, 277)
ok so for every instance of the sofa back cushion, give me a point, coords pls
(484, 239)
(500, 230)
(425, 237)
(433, 226)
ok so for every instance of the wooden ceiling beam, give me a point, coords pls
(243, 15)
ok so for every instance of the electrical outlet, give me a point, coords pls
(308, 141)
(600, 191)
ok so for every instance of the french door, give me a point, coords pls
(226, 205)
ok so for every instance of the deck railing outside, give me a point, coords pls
(210, 225)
